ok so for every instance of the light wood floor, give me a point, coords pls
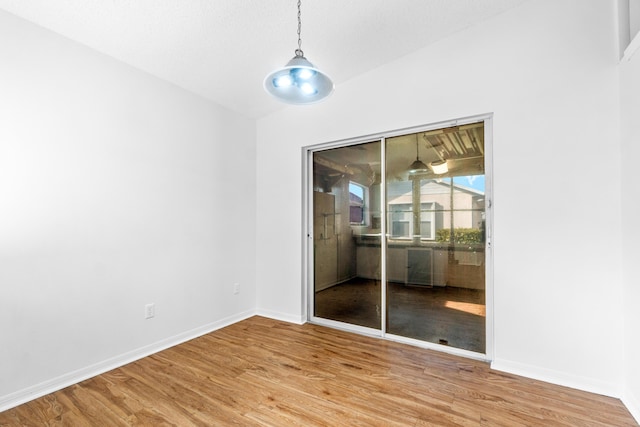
(261, 372)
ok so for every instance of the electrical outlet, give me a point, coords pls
(236, 288)
(149, 311)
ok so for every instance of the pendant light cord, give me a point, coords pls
(299, 51)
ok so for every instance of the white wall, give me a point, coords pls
(116, 190)
(630, 137)
(634, 17)
(547, 70)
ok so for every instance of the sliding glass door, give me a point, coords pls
(398, 236)
(436, 241)
(346, 237)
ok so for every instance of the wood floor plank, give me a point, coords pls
(263, 372)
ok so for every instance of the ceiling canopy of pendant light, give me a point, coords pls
(299, 81)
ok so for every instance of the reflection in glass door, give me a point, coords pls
(435, 204)
(346, 235)
(398, 235)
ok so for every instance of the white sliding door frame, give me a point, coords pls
(307, 233)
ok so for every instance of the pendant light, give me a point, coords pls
(417, 166)
(299, 81)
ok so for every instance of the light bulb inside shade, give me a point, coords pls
(308, 89)
(298, 82)
(303, 73)
(439, 167)
(283, 81)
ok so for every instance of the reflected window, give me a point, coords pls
(425, 229)
(402, 223)
(357, 194)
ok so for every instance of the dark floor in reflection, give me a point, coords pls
(443, 315)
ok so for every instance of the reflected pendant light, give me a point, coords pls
(299, 81)
(417, 166)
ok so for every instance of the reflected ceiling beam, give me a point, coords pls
(442, 131)
(330, 164)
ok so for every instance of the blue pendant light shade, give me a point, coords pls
(298, 82)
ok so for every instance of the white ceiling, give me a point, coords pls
(222, 49)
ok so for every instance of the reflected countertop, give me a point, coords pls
(374, 240)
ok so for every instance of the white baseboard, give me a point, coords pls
(632, 402)
(285, 317)
(605, 388)
(74, 377)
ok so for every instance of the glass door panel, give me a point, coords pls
(346, 234)
(435, 213)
